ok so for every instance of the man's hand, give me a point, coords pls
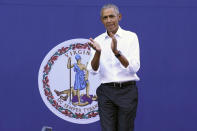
(94, 45)
(96, 58)
(113, 43)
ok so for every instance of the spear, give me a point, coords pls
(70, 79)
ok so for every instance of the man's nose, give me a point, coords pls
(108, 19)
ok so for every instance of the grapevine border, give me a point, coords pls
(48, 93)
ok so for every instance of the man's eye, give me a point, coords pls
(105, 17)
(111, 16)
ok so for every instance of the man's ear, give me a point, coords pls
(101, 18)
(119, 17)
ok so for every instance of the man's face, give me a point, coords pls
(110, 19)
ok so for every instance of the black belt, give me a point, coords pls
(120, 84)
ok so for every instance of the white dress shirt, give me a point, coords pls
(110, 69)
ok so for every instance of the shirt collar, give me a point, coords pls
(118, 33)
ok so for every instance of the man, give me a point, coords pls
(115, 57)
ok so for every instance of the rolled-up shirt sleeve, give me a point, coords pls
(133, 55)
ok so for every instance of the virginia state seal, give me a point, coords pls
(65, 84)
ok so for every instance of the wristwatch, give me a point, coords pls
(119, 54)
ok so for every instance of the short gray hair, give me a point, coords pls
(106, 6)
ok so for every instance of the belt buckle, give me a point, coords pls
(120, 84)
(116, 84)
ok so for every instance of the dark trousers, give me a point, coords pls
(117, 107)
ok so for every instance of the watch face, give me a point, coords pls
(119, 54)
